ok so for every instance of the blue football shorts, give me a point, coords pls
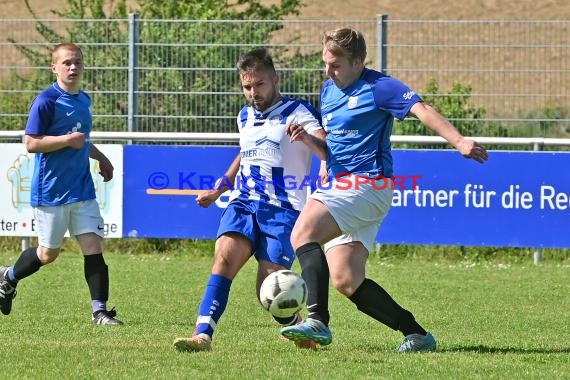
(267, 226)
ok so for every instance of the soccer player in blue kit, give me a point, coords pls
(358, 106)
(263, 205)
(62, 192)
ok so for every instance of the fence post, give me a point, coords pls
(537, 257)
(25, 243)
(382, 38)
(132, 70)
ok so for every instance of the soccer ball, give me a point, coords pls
(283, 293)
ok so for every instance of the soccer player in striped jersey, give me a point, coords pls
(269, 180)
(358, 106)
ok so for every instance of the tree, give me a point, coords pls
(454, 105)
(173, 57)
(84, 33)
(210, 45)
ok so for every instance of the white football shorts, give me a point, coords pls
(358, 206)
(79, 218)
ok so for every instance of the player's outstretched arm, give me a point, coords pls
(206, 197)
(438, 124)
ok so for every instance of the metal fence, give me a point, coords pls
(179, 75)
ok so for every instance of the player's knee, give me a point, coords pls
(226, 265)
(90, 243)
(343, 283)
(47, 255)
(222, 262)
(298, 237)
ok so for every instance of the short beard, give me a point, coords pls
(266, 104)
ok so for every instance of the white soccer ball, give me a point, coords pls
(283, 293)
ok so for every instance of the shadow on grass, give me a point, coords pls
(506, 350)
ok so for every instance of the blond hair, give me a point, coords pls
(64, 46)
(345, 42)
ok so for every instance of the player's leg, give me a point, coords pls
(347, 261)
(339, 210)
(86, 224)
(52, 224)
(274, 252)
(264, 268)
(314, 226)
(232, 251)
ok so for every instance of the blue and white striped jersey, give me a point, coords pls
(273, 169)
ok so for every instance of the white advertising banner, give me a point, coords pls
(16, 170)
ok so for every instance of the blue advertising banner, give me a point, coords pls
(160, 187)
(518, 199)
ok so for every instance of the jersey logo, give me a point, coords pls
(408, 95)
(352, 102)
(267, 141)
(70, 113)
(76, 128)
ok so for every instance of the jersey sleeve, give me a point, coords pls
(241, 118)
(308, 117)
(394, 97)
(40, 116)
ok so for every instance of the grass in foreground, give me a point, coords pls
(502, 321)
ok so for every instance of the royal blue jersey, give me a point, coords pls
(62, 176)
(358, 121)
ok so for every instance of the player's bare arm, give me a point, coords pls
(46, 144)
(206, 197)
(316, 141)
(432, 119)
(323, 173)
(105, 167)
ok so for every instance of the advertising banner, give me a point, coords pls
(519, 199)
(161, 184)
(16, 170)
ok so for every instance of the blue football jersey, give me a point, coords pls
(358, 121)
(62, 176)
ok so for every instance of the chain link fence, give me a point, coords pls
(179, 75)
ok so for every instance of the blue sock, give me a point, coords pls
(97, 305)
(213, 304)
(10, 277)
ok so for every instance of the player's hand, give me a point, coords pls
(296, 132)
(472, 149)
(206, 197)
(76, 140)
(323, 176)
(106, 169)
